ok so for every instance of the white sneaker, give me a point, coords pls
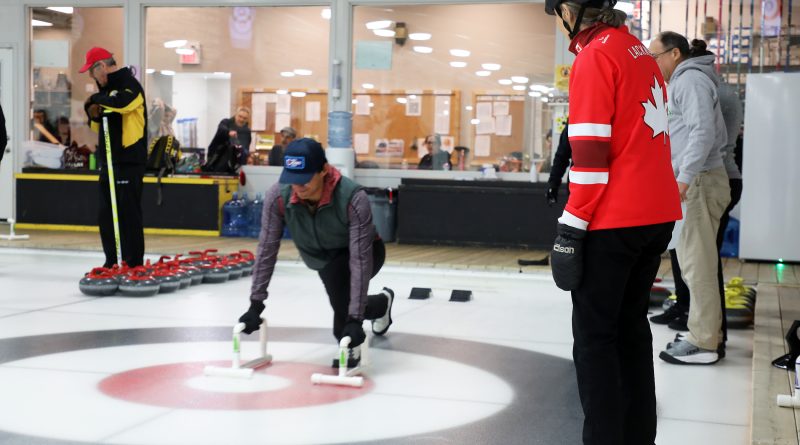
(381, 325)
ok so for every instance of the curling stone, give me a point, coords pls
(100, 282)
(138, 283)
(167, 281)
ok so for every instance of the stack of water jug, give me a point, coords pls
(242, 217)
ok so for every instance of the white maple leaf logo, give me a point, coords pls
(655, 112)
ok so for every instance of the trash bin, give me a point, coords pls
(383, 203)
(730, 240)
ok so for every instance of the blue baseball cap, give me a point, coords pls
(302, 159)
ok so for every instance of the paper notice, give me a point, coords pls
(502, 125)
(312, 111)
(258, 120)
(441, 124)
(282, 120)
(414, 106)
(284, 104)
(485, 126)
(361, 143)
(501, 108)
(271, 98)
(483, 110)
(483, 145)
(362, 104)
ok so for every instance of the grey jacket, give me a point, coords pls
(733, 114)
(696, 127)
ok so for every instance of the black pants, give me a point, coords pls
(336, 278)
(681, 289)
(613, 345)
(128, 179)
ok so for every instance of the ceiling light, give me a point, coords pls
(35, 22)
(371, 104)
(423, 49)
(490, 66)
(504, 82)
(551, 95)
(150, 71)
(402, 100)
(519, 88)
(468, 108)
(302, 72)
(474, 121)
(483, 73)
(367, 86)
(457, 64)
(175, 43)
(540, 88)
(184, 51)
(384, 32)
(545, 100)
(287, 73)
(412, 96)
(61, 9)
(168, 72)
(298, 94)
(326, 13)
(459, 53)
(535, 94)
(419, 36)
(519, 79)
(282, 92)
(355, 101)
(379, 24)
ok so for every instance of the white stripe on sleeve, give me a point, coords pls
(594, 130)
(573, 221)
(578, 177)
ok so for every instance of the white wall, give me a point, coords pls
(193, 96)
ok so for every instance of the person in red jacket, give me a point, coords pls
(622, 205)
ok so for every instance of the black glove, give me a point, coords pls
(252, 318)
(552, 195)
(355, 331)
(566, 259)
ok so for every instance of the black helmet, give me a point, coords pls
(551, 6)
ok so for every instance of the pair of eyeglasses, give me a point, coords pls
(656, 56)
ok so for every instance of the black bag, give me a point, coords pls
(225, 159)
(162, 157)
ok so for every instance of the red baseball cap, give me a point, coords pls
(93, 56)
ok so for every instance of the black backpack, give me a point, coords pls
(162, 157)
(225, 159)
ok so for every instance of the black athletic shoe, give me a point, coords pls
(668, 316)
(680, 324)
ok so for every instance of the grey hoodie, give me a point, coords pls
(696, 127)
(733, 114)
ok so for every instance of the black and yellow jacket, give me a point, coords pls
(123, 104)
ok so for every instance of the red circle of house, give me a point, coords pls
(165, 386)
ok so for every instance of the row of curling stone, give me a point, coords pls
(167, 275)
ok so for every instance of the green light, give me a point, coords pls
(780, 260)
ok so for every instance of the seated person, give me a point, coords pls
(233, 131)
(288, 134)
(436, 158)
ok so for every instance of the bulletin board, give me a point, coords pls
(502, 139)
(387, 120)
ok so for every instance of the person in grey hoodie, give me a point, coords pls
(698, 134)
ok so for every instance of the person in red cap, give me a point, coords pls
(330, 220)
(121, 103)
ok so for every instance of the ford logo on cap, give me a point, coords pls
(294, 162)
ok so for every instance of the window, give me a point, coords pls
(478, 76)
(204, 63)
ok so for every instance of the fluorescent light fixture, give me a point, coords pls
(456, 64)
(184, 51)
(367, 86)
(282, 92)
(474, 121)
(412, 96)
(540, 88)
(490, 66)
(61, 9)
(302, 72)
(167, 72)
(423, 49)
(298, 94)
(459, 53)
(483, 73)
(545, 100)
(175, 43)
(519, 87)
(519, 79)
(534, 94)
(419, 36)
(504, 81)
(468, 108)
(625, 7)
(371, 104)
(150, 71)
(355, 101)
(326, 13)
(383, 32)
(35, 22)
(379, 24)
(552, 95)
(287, 73)
(402, 100)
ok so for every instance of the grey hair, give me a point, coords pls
(245, 109)
(591, 16)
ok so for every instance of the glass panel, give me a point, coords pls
(60, 39)
(463, 72)
(203, 63)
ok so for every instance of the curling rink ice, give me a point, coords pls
(494, 370)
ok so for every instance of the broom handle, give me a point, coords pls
(112, 186)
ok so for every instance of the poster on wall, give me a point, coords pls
(258, 120)
(386, 147)
(483, 110)
(414, 106)
(485, 126)
(282, 120)
(483, 144)
(284, 104)
(500, 108)
(361, 143)
(441, 124)
(312, 111)
(362, 105)
(502, 125)
(373, 55)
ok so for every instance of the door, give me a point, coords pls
(7, 165)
